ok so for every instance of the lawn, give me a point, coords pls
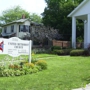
(63, 73)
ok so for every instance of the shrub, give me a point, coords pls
(17, 72)
(76, 52)
(29, 65)
(58, 52)
(86, 53)
(11, 66)
(55, 48)
(67, 51)
(30, 70)
(42, 64)
(23, 62)
(33, 60)
(14, 66)
(62, 52)
(8, 72)
(35, 70)
(38, 67)
(2, 67)
(27, 68)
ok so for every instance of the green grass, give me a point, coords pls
(63, 73)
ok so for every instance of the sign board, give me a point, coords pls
(15, 47)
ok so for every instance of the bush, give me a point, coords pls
(67, 51)
(17, 72)
(23, 62)
(42, 64)
(86, 53)
(58, 52)
(27, 68)
(35, 70)
(33, 60)
(29, 65)
(62, 52)
(77, 52)
(55, 48)
(14, 66)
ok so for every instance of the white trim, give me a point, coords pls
(88, 30)
(85, 34)
(16, 21)
(77, 8)
(74, 32)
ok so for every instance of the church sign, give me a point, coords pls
(15, 47)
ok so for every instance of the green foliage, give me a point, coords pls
(23, 62)
(35, 70)
(22, 69)
(34, 17)
(67, 51)
(14, 66)
(55, 15)
(55, 48)
(29, 65)
(76, 52)
(58, 52)
(42, 64)
(17, 72)
(62, 52)
(79, 39)
(7, 72)
(86, 53)
(15, 13)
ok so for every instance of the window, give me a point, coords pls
(21, 28)
(24, 28)
(5, 30)
(12, 28)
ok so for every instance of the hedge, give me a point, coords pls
(80, 52)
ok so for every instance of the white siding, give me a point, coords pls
(27, 23)
(16, 27)
(9, 28)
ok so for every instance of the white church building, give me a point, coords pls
(82, 11)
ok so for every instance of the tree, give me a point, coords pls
(55, 15)
(34, 17)
(40, 33)
(12, 14)
(16, 13)
(77, 1)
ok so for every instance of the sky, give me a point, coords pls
(32, 6)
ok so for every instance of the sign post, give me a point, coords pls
(30, 42)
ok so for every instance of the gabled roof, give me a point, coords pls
(78, 7)
(17, 21)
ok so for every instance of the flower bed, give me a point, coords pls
(23, 68)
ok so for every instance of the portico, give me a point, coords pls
(81, 12)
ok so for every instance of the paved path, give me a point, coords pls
(86, 88)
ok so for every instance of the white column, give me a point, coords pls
(73, 32)
(88, 30)
(85, 34)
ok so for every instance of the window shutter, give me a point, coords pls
(19, 28)
(29, 29)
